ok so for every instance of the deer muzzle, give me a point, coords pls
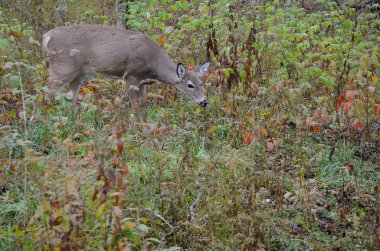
(203, 103)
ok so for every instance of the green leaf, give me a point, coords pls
(326, 81)
(143, 228)
(14, 80)
(3, 43)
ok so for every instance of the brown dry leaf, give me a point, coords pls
(271, 144)
(118, 212)
(352, 94)
(287, 195)
(356, 220)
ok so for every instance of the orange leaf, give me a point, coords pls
(347, 105)
(357, 125)
(247, 138)
(264, 131)
(162, 40)
(317, 128)
(374, 79)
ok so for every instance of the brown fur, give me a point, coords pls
(72, 51)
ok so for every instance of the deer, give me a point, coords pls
(74, 52)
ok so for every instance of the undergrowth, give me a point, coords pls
(284, 157)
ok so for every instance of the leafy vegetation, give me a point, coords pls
(285, 156)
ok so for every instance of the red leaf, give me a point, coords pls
(117, 196)
(342, 97)
(337, 106)
(317, 128)
(247, 138)
(124, 169)
(95, 194)
(120, 146)
(357, 124)
(343, 212)
(351, 168)
(376, 108)
(118, 135)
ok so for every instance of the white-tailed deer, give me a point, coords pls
(72, 51)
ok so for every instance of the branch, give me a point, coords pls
(194, 205)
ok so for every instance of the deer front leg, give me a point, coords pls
(72, 93)
(137, 96)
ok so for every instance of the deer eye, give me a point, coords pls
(190, 86)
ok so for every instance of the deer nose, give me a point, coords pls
(203, 103)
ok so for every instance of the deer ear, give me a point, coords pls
(203, 68)
(181, 70)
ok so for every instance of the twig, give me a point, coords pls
(194, 205)
(172, 229)
(23, 101)
(163, 238)
(158, 216)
